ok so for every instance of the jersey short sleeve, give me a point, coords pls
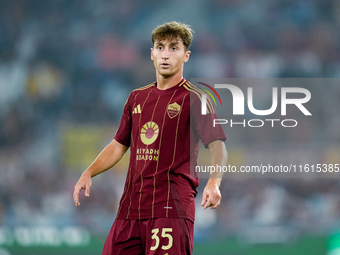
(123, 134)
(203, 125)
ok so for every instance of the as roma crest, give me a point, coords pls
(173, 110)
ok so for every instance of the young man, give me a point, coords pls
(157, 208)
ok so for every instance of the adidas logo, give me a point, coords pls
(137, 110)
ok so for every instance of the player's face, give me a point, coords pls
(169, 57)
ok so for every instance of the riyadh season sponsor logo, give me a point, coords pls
(149, 132)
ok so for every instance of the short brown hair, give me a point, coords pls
(173, 30)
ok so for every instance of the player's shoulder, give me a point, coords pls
(194, 91)
(143, 89)
(134, 93)
(196, 95)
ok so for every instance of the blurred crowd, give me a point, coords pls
(73, 63)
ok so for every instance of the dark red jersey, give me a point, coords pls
(163, 129)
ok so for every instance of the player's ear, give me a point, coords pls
(151, 53)
(187, 56)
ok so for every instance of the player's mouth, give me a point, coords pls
(165, 65)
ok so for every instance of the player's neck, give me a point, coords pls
(164, 83)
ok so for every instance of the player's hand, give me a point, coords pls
(211, 195)
(84, 182)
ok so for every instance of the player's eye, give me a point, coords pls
(174, 48)
(160, 48)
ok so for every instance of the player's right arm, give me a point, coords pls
(106, 159)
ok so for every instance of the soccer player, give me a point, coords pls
(157, 209)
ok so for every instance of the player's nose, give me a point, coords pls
(165, 54)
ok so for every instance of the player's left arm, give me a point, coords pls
(211, 194)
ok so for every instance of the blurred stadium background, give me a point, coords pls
(66, 69)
